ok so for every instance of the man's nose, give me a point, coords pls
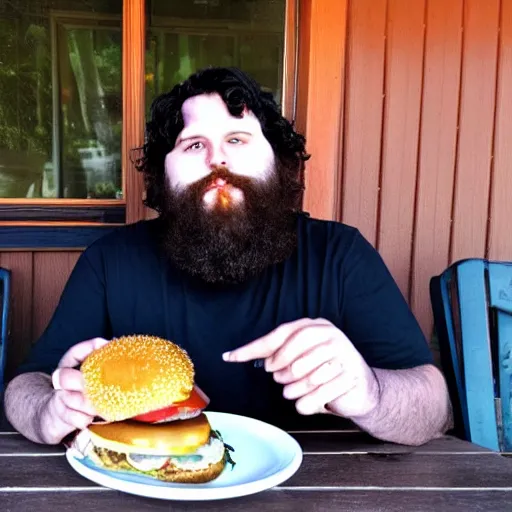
(217, 157)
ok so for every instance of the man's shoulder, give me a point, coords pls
(315, 230)
(123, 238)
(335, 241)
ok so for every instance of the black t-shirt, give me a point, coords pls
(122, 284)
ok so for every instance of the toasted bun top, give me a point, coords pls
(174, 438)
(136, 374)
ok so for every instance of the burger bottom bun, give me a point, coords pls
(168, 474)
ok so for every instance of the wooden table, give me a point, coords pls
(341, 470)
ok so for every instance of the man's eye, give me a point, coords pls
(195, 146)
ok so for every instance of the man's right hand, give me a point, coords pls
(67, 409)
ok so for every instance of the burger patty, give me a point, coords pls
(111, 459)
(170, 473)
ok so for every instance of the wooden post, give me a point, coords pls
(321, 71)
(133, 104)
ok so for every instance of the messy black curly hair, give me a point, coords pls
(238, 91)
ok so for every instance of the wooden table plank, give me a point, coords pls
(13, 443)
(361, 442)
(279, 500)
(356, 471)
(329, 442)
(405, 470)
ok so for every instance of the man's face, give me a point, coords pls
(225, 215)
(212, 138)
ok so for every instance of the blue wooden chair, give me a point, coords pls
(5, 286)
(472, 306)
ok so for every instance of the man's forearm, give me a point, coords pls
(24, 398)
(414, 406)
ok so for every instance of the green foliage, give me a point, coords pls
(104, 190)
(26, 94)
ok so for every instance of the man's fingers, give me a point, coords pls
(77, 353)
(267, 345)
(78, 420)
(324, 373)
(68, 379)
(304, 364)
(67, 416)
(59, 420)
(76, 401)
(297, 345)
(315, 401)
(260, 348)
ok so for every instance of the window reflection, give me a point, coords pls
(91, 122)
(60, 98)
(186, 36)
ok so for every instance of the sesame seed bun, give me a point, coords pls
(136, 374)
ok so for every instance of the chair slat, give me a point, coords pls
(444, 284)
(504, 321)
(500, 285)
(476, 349)
(5, 282)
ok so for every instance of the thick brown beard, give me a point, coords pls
(233, 244)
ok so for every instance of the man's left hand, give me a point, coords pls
(319, 367)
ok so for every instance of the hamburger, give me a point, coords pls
(151, 412)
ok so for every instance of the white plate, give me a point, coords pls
(265, 456)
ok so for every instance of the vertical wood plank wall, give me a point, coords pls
(408, 110)
(426, 131)
(38, 280)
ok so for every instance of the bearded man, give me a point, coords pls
(288, 319)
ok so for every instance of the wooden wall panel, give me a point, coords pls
(38, 279)
(51, 271)
(438, 137)
(476, 122)
(20, 264)
(426, 168)
(446, 161)
(134, 44)
(404, 71)
(363, 115)
(320, 100)
(500, 239)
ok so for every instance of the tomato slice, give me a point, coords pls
(193, 405)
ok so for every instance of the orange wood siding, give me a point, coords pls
(402, 108)
(500, 239)
(476, 127)
(320, 99)
(21, 264)
(426, 162)
(364, 102)
(437, 150)
(38, 279)
(51, 271)
(134, 44)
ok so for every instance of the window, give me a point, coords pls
(60, 99)
(88, 115)
(62, 130)
(186, 36)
